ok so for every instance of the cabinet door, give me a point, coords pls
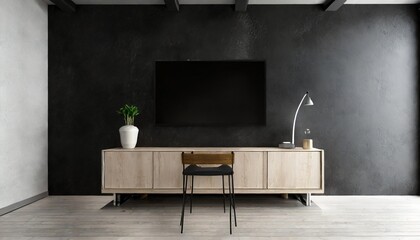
(208, 182)
(294, 170)
(128, 169)
(249, 170)
(167, 170)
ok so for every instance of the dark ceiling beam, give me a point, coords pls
(65, 5)
(241, 5)
(172, 5)
(334, 5)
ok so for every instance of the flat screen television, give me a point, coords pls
(210, 93)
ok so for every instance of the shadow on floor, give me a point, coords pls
(207, 201)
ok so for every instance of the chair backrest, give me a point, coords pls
(208, 158)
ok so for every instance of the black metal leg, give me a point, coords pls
(230, 207)
(192, 192)
(183, 204)
(183, 198)
(224, 197)
(233, 198)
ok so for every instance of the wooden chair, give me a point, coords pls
(225, 168)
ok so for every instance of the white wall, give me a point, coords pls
(23, 100)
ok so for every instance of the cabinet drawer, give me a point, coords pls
(128, 169)
(294, 170)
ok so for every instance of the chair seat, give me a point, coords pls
(208, 171)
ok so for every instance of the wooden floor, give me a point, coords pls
(259, 217)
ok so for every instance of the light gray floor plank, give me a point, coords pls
(259, 217)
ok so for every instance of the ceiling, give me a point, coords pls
(251, 2)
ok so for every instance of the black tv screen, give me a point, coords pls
(210, 93)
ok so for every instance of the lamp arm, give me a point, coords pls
(294, 120)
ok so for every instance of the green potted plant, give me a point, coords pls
(128, 132)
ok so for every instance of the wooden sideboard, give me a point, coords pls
(257, 170)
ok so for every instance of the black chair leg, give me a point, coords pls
(183, 202)
(233, 198)
(192, 192)
(224, 197)
(183, 198)
(230, 207)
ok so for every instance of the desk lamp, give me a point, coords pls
(308, 102)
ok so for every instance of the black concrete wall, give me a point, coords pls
(360, 65)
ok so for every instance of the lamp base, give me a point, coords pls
(287, 145)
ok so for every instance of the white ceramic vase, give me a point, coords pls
(128, 136)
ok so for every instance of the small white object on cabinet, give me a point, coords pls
(128, 136)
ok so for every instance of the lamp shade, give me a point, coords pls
(309, 101)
